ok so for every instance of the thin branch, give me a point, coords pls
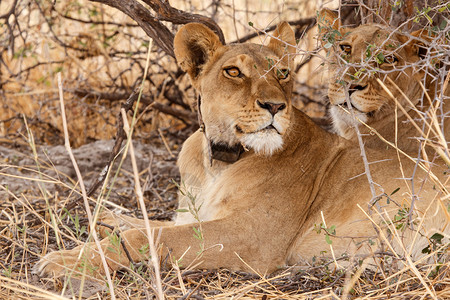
(309, 22)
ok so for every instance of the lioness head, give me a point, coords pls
(245, 89)
(358, 56)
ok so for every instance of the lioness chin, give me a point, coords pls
(260, 175)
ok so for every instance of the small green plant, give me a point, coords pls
(115, 241)
(379, 58)
(85, 264)
(144, 249)
(423, 13)
(369, 51)
(22, 229)
(8, 271)
(193, 209)
(79, 229)
(23, 51)
(358, 74)
(433, 273)
(330, 231)
(401, 219)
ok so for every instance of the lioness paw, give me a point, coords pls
(57, 263)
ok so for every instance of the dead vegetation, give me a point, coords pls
(101, 54)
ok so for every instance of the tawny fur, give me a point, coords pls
(258, 213)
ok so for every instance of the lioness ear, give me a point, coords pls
(194, 44)
(283, 42)
(327, 23)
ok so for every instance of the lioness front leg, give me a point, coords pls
(67, 262)
(109, 220)
(223, 243)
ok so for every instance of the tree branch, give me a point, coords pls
(152, 25)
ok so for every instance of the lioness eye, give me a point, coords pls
(233, 72)
(347, 49)
(390, 59)
(282, 73)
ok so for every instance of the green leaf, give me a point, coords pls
(197, 234)
(380, 58)
(437, 237)
(426, 250)
(144, 249)
(328, 45)
(113, 250)
(328, 240)
(182, 210)
(395, 191)
(250, 24)
(332, 229)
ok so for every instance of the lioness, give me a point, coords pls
(359, 57)
(260, 174)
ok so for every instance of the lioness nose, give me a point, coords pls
(273, 108)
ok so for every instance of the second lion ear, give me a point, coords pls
(328, 23)
(194, 45)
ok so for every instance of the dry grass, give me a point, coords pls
(37, 181)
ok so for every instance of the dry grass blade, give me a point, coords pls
(138, 189)
(83, 191)
(29, 290)
(149, 231)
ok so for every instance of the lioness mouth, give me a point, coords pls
(345, 106)
(354, 87)
(270, 127)
(267, 128)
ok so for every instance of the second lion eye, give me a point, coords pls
(233, 72)
(347, 49)
(390, 59)
(282, 73)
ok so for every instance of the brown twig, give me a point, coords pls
(125, 249)
(184, 115)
